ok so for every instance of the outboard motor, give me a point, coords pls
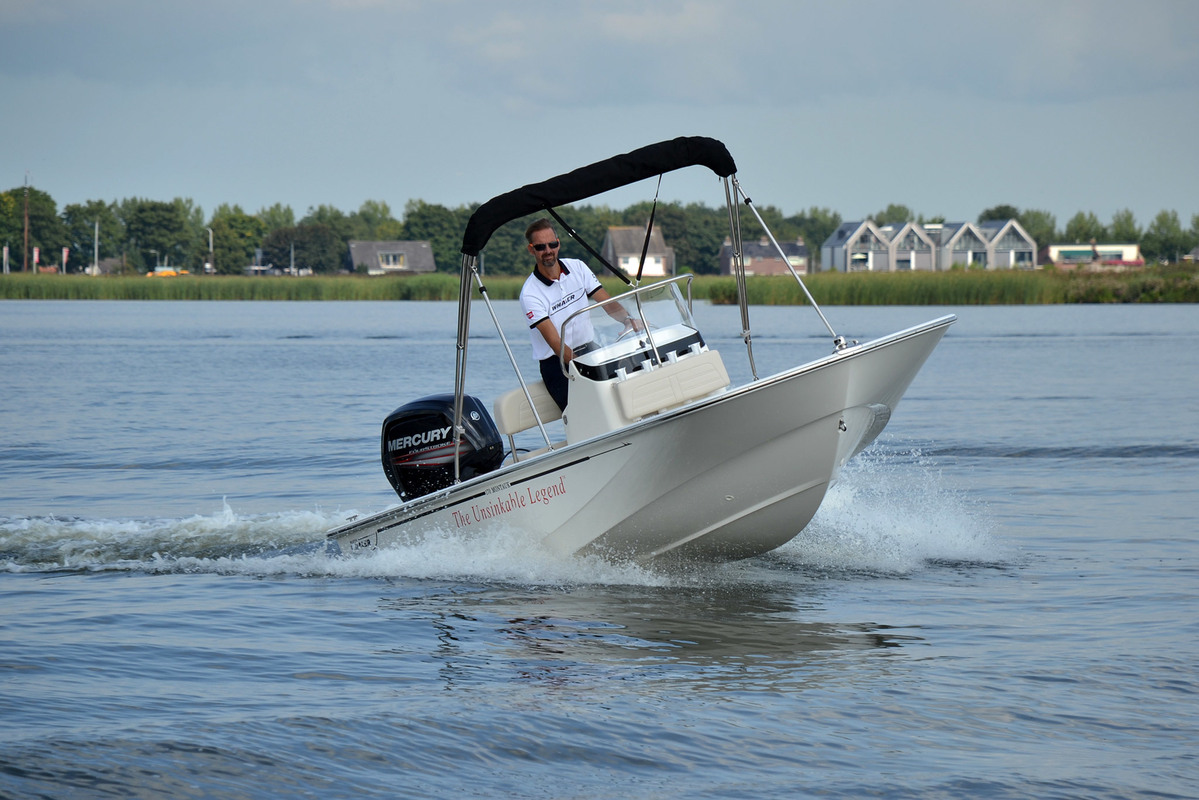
(418, 444)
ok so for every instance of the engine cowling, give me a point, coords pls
(418, 444)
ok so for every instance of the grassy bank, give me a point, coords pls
(958, 288)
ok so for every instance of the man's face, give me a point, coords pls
(547, 256)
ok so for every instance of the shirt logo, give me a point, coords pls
(529, 314)
(564, 302)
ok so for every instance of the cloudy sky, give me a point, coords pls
(946, 106)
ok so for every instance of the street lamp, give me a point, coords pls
(211, 265)
(155, 252)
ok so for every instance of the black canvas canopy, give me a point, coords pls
(602, 176)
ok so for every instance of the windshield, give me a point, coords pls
(658, 325)
(660, 306)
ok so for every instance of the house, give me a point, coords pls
(959, 244)
(1094, 256)
(622, 249)
(1008, 245)
(392, 258)
(911, 247)
(856, 247)
(761, 257)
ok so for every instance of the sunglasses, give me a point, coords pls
(551, 245)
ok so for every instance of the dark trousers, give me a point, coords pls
(555, 381)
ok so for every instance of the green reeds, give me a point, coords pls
(954, 288)
(897, 289)
(223, 287)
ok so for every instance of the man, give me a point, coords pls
(556, 289)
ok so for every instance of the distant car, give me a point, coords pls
(166, 272)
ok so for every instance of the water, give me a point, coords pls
(999, 600)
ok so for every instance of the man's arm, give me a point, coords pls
(550, 334)
(614, 310)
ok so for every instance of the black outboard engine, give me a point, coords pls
(418, 444)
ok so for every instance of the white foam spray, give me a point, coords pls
(894, 513)
(890, 513)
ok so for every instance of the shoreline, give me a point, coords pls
(1171, 284)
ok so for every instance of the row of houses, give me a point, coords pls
(867, 247)
(854, 246)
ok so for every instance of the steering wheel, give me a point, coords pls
(631, 329)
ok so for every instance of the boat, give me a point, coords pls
(662, 458)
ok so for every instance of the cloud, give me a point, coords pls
(334, 101)
(621, 51)
(1076, 50)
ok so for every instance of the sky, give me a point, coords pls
(948, 107)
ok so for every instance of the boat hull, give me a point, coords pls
(726, 477)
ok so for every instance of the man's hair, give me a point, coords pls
(538, 225)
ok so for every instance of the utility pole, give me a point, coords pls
(96, 250)
(25, 263)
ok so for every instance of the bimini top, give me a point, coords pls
(602, 176)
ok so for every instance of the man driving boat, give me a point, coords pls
(556, 289)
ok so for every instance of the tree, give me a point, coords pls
(316, 247)
(344, 227)
(1040, 225)
(698, 245)
(683, 228)
(442, 228)
(334, 218)
(276, 217)
(1000, 213)
(12, 219)
(373, 222)
(46, 229)
(157, 233)
(894, 214)
(505, 253)
(236, 235)
(590, 222)
(816, 225)
(1164, 239)
(80, 222)
(196, 235)
(1083, 227)
(1124, 227)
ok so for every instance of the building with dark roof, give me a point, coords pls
(761, 257)
(392, 258)
(622, 249)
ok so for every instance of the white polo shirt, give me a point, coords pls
(543, 299)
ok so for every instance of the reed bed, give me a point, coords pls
(956, 288)
(891, 289)
(221, 287)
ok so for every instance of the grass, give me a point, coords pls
(1178, 284)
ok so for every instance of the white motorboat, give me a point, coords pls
(662, 458)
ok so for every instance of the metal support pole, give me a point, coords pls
(838, 341)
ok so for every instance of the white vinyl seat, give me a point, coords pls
(513, 413)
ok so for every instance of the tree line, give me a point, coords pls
(142, 234)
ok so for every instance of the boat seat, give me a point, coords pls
(672, 385)
(513, 413)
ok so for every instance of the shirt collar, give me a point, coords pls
(547, 281)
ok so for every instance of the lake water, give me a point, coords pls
(997, 601)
